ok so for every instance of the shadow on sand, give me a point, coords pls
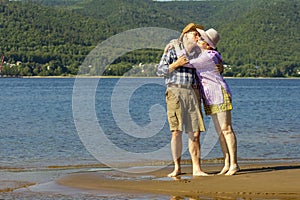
(267, 169)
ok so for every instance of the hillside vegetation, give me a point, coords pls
(51, 37)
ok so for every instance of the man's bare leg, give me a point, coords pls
(176, 148)
(194, 148)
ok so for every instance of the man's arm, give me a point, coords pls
(182, 60)
(169, 61)
(220, 68)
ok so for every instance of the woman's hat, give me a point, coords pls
(211, 36)
(190, 27)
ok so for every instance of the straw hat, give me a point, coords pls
(190, 27)
(211, 36)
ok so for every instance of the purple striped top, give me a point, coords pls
(210, 78)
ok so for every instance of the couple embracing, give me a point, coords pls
(192, 68)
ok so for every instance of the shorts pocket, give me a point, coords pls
(173, 120)
(172, 101)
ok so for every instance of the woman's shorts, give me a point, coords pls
(226, 105)
(184, 109)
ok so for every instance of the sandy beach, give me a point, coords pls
(264, 181)
(253, 181)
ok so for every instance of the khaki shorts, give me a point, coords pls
(184, 109)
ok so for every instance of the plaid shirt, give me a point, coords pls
(181, 75)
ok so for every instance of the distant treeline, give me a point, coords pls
(53, 38)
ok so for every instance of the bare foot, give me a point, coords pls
(224, 170)
(200, 173)
(232, 170)
(174, 173)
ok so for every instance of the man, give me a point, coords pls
(183, 99)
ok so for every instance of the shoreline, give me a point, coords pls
(87, 76)
(267, 180)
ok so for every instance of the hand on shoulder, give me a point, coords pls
(172, 44)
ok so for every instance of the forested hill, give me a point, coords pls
(52, 37)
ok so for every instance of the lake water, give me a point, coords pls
(37, 125)
(57, 122)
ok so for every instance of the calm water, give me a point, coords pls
(37, 127)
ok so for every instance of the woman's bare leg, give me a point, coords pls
(217, 124)
(229, 137)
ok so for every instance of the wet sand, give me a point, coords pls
(253, 181)
(264, 181)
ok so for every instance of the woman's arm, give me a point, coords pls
(208, 61)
